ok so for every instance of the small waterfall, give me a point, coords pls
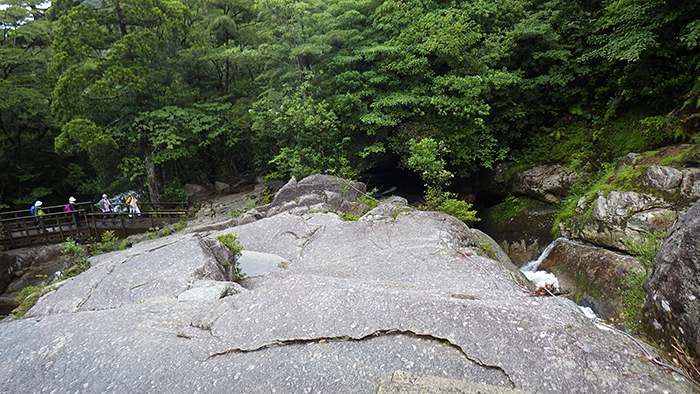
(542, 278)
(533, 264)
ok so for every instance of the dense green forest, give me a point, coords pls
(112, 95)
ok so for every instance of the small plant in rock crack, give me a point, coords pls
(77, 256)
(231, 242)
(27, 297)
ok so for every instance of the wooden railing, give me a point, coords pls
(19, 228)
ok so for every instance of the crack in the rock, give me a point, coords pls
(94, 286)
(111, 269)
(347, 338)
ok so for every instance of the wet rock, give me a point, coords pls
(672, 303)
(595, 276)
(33, 266)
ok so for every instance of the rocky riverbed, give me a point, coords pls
(414, 296)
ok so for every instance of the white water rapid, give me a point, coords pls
(538, 277)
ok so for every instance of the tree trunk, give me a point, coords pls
(152, 181)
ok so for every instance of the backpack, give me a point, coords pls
(128, 200)
(66, 208)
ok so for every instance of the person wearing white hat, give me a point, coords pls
(36, 211)
(105, 206)
(71, 207)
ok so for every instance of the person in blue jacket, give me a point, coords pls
(38, 213)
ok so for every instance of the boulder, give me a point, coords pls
(318, 193)
(222, 187)
(546, 183)
(32, 266)
(595, 276)
(663, 178)
(629, 160)
(191, 189)
(618, 218)
(672, 303)
(690, 185)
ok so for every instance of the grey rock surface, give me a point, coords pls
(315, 193)
(663, 178)
(358, 301)
(672, 303)
(546, 183)
(403, 382)
(619, 217)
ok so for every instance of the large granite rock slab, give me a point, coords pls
(672, 304)
(358, 301)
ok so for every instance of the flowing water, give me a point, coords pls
(540, 277)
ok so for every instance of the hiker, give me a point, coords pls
(105, 206)
(38, 213)
(133, 208)
(71, 207)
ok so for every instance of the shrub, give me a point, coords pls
(231, 242)
(110, 243)
(348, 216)
(179, 226)
(76, 255)
(459, 209)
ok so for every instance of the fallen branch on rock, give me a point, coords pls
(689, 364)
(547, 290)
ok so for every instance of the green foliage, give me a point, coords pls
(77, 256)
(27, 298)
(632, 300)
(426, 159)
(645, 249)
(174, 191)
(348, 216)
(135, 94)
(180, 225)
(80, 134)
(510, 207)
(233, 244)
(304, 133)
(459, 209)
(367, 202)
(109, 243)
